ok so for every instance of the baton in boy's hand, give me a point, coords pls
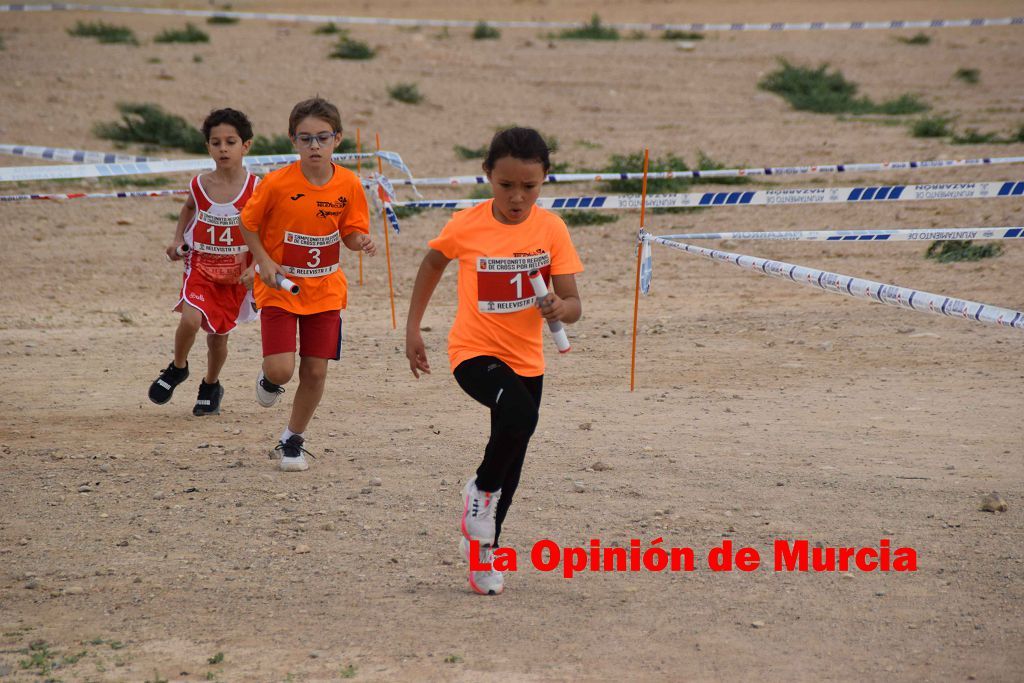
(557, 330)
(283, 282)
(180, 250)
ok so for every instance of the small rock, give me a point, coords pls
(125, 221)
(74, 590)
(301, 549)
(993, 502)
(104, 467)
(825, 346)
(329, 526)
(32, 584)
(757, 624)
(365, 490)
(159, 495)
(578, 487)
(600, 466)
(426, 328)
(84, 488)
(376, 481)
(585, 426)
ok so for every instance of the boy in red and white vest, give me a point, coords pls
(216, 286)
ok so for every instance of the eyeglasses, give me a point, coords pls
(306, 140)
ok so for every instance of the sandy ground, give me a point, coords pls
(139, 542)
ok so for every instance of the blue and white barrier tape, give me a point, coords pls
(823, 195)
(912, 299)
(24, 173)
(729, 172)
(457, 23)
(903, 235)
(77, 156)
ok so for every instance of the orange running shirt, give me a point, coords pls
(496, 314)
(301, 226)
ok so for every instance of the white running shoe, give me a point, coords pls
(488, 581)
(478, 512)
(293, 454)
(267, 392)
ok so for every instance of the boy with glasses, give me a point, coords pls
(294, 226)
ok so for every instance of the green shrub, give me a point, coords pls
(404, 212)
(222, 20)
(820, 91)
(949, 251)
(277, 144)
(916, 39)
(330, 29)
(471, 152)
(103, 32)
(634, 163)
(484, 31)
(189, 34)
(971, 76)
(575, 218)
(406, 92)
(148, 123)
(347, 48)
(681, 35)
(706, 163)
(931, 127)
(594, 30)
(198, 59)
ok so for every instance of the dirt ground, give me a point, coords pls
(139, 543)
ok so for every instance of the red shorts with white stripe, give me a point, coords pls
(222, 306)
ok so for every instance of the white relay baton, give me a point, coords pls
(180, 251)
(557, 331)
(283, 282)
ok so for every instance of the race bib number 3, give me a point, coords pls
(502, 284)
(310, 255)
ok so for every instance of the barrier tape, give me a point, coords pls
(23, 173)
(729, 172)
(133, 194)
(456, 23)
(78, 156)
(903, 297)
(824, 195)
(907, 235)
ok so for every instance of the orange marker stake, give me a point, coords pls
(387, 246)
(359, 170)
(636, 294)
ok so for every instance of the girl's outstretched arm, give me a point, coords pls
(429, 275)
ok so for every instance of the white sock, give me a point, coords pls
(287, 434)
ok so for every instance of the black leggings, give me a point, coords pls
(514, 401)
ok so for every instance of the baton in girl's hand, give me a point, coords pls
(557, 330)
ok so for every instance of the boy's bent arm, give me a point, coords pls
(357, 241)
(565, 305)
(427, 277)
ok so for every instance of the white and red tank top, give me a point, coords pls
(215, 237)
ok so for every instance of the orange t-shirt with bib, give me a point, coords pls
(496, 314)
(301, 226)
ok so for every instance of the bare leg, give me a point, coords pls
(216, 356)
(312, 378)
(185, 335)
(279, 367)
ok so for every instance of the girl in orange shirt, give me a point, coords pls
(495, 346)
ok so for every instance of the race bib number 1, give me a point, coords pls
(502, 284)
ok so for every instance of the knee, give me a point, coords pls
(313, 373)
(278, 371)
(518, 419)
(217, 342)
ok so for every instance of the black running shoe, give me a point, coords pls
(162, 388)
(208, 401)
